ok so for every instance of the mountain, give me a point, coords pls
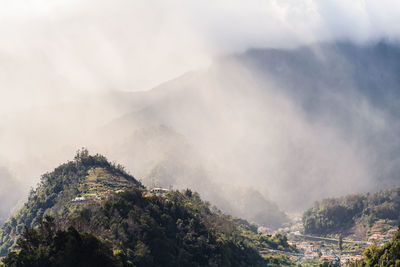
(171, 161)
(87, 179)
(295, 125)
(148, 231)
(94, 205)
(312, 121)
(350, 88)
(356, 215)
(311, 73)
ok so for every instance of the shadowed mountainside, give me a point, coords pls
(298, 124)
(295, 125)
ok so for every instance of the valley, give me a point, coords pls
(187, 133)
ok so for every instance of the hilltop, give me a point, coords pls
(61, 193)
(94, 202)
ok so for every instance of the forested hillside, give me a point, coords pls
(89, 207)
(337, 215)
(57, 189)
(146, 230)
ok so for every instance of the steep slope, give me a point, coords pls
(324, 115)
(145, 229)
(97, 207)
(310, 73)
(346, 214)
(85, 181)
(240, 201)
(172, 230)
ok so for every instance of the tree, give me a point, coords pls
(44, 246)
(340, 242)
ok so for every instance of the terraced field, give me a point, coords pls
(101, 183)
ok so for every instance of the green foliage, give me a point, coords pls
(335, 215)
(54, 193)
(132, 228)
(277, 261)
(326, 263)
(276, 242)
(177, 229)
(44, 246)
(386, 255)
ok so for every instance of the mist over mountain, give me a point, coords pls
(10, 194)
(295, 125)
(266, 109)
(350, 90)
(306, 121)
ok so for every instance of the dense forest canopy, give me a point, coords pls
(336, 215)
(130, 226)
(136, 229)
(46, 246)
(54, 194)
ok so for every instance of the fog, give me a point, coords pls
(62, 48)
(80, 73)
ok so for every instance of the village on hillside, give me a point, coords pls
(312, 249)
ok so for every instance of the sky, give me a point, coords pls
(63, 48)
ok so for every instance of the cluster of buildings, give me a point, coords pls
(380, 238)
(159, 191)
(104, 193)
(377, 238)
(315, 251)
(90, 198)
(348, 258)
(318, 251)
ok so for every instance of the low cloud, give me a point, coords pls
(60, 59)
(62, 48)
